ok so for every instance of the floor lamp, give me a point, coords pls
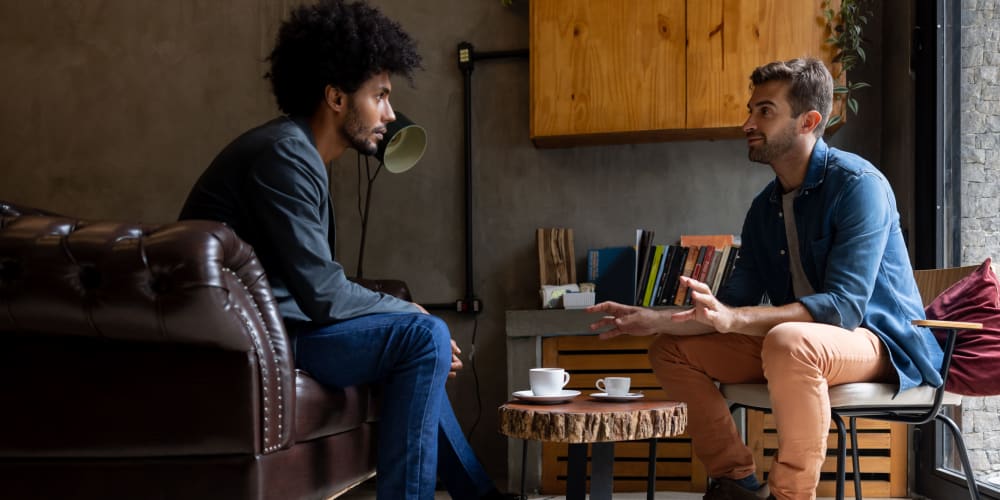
(402, 146)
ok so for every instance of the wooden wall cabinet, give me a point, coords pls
(611, 71)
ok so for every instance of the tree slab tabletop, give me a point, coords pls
(584, 420)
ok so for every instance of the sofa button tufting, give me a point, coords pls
(90, 277)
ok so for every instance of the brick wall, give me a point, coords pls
(981, 194)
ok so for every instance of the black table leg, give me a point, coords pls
(602, 463)
(651, 471)
(576, 477)
(524, 459)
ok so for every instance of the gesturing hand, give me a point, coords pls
(625, 320)
(456, 363)
(707, 309)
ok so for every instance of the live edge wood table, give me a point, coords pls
(583, 421)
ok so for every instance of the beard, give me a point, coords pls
(358, 133)
(773, 147)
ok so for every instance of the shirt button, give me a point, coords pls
(782, 252)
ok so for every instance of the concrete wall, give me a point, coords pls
(111, 109)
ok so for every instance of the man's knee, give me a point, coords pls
(785, 345)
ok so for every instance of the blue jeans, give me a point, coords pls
(419, 439)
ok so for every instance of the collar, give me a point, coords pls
(815, 172)
(302, 122)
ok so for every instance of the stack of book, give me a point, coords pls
(649, 275)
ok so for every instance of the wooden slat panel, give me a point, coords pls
(879, 441)
(602, 362)
(892, 439)
(863, 423)
(672, 469)
(871, 489)
(898, 452)
(593, 343)
(868, 464)
(631, 449)
(645, 381)
(589, 353)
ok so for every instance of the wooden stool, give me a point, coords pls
(584, 421)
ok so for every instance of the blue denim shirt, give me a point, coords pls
(853, 254)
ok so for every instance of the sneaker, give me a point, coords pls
(727, 489)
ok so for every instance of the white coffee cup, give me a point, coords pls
(547, 381)
(614, 386)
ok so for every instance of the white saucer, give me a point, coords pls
(564, 395)
(603, 396)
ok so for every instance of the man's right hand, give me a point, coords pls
(625, 320)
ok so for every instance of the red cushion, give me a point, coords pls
(974, 364)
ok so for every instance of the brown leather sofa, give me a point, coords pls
(149, 362)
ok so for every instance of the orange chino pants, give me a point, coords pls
(798, 361)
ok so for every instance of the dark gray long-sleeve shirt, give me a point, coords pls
(271, 187)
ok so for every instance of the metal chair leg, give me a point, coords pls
(956, 433)
(841, 455)
(854, 458)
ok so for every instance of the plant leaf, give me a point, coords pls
(861, 53)
(833, 121)
(840, 89)
(859, 85)
(852, 103)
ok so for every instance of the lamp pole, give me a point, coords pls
(364, 216)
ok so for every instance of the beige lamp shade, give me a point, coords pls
(403, 145)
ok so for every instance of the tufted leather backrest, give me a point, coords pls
(189, 283)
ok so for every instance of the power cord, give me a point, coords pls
(475, 377)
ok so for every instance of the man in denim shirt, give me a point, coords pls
(823, 243)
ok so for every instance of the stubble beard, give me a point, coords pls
(772, 148)
(357, 133)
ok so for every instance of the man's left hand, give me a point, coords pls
(707, 309)
(456, 363)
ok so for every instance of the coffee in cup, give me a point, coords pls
(547, 381)
(614, 386)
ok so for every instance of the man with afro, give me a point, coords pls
(330, 74)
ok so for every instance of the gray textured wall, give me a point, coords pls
(981, 198)
(111, 109)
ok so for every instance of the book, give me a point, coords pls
(696, 272)
(715, 271)
(654, 268)
(661, 275)
(692, 258)
(734, 255)
(706, 263)
(669, 264)
(723, 262)
(643, 243)
(612, 270)
(716, 240)
(678, 258)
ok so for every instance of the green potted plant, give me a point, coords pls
(846, 25)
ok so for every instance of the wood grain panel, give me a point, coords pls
(600, 66)
(727, 39)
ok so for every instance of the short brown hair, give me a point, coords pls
(812, 86)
